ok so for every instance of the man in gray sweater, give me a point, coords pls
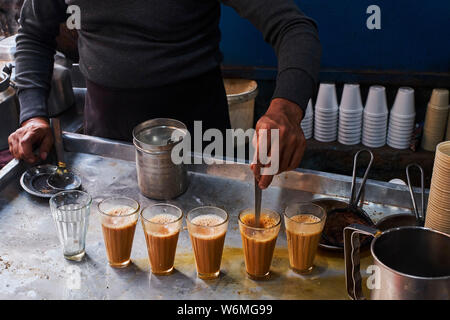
(144, 59)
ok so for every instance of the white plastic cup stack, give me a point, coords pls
(375, 118)
(402, 119)
(350, 115)
(326, 113)
(307, 122)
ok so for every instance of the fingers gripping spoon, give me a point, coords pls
(62, 179)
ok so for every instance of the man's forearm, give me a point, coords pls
(39, 26)
(295, 40)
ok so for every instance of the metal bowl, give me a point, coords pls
(329, 204)
(35, 181)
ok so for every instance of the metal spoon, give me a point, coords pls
(62, 179)
(258, 196)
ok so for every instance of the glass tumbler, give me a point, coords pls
(70, 211)
(304, 224)
(162, 225)
(119, 216)
(207, 227)
(259, 241)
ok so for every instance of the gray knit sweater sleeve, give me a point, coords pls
(295, 40)
(39, 26)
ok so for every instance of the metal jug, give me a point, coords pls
(410, 263)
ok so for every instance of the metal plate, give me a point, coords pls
(34, 181)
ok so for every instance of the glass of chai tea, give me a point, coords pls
(258, 241)
(207, 227)
(162, 224)
(304, 224)
(119, 216)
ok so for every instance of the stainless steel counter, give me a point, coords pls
(32, 265)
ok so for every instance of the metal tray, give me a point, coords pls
(32, 264)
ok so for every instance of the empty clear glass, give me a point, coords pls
(70, 211)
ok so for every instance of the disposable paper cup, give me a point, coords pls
(350, 136)
(349, 142)
(375, 140)
(374, 133)
(447, 135)
(375, 120)
(404, 103)
(399, 147)
(373, 145)
(309, 110)
(442, 171)
(436, 220)
(433, 135)
(399, 141)
(400, 118)
(325, 124)
(307, 121)
(429, 143)
(435, 123)
(443, 152)
(376, 103)
(396, 122)
(349, 131)
(439, 97)
(351, 98)
(401, 131)
(437, 108)
(350, 123)
(325, 118)
(371, 139)
(350, 113)
(377, 126)
(326, 97)
(325, 133)
(308, 135)
(326, 128)
(440, 183)
(321, 139)
(356, 121)
(375, 116)
(437, 194)
(437, 216)
(444, 211)
(348, 139)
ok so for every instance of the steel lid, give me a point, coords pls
(155, 135)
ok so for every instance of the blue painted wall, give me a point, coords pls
(414, 37)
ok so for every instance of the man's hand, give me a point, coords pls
(285, 116)
(33, 132)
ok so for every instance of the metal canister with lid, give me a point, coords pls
(158, 176)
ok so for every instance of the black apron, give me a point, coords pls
(113, 113)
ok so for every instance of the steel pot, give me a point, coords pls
(158, 176)
(409, 263)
